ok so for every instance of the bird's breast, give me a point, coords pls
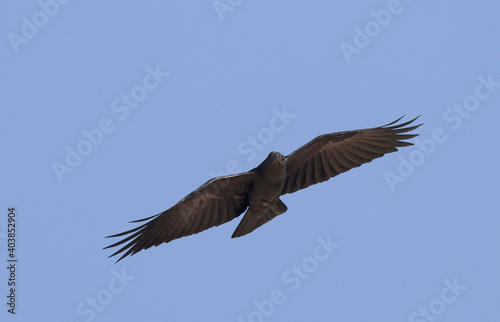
(267, 186)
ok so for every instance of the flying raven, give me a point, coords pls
(257, 191)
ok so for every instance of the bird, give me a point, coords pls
(258, 191)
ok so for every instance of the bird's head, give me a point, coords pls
(276, 157)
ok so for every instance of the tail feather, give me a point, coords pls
(253, 220)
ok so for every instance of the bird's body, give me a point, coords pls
(257, 191)
(263, 194)
(268, 183)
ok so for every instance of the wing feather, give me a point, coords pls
(216, 202)
(331, 154)
(329, 169)
(320, 172)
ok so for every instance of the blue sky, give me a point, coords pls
(114, 111)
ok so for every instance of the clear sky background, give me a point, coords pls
(171, 94)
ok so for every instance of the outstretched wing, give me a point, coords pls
(331, 154)
(216, 202)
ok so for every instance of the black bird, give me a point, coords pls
(257, 191)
